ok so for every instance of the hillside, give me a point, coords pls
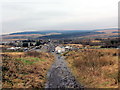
(61, 34)
(25, 70)
(94, 68)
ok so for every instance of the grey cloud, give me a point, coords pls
(51, 15)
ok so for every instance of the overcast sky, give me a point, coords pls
(28, 15)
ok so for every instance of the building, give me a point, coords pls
(59, 49)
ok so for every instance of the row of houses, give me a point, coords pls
(24, 43)
(62, 49)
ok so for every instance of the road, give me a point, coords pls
(60, 76)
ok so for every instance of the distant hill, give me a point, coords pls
(105, 33)
(61, 34)
(70, 35)
(49, 31)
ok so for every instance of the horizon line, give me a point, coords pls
(58, 30)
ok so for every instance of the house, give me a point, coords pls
(14, 48)
(118, 47)
(68, 48)
(59, 49)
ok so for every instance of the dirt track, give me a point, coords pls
(60, 76)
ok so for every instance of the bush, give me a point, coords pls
(33, 53)
(90, 65)
(25, 71)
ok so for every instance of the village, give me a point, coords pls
(56, 59)
(41, 46)
(56, 46)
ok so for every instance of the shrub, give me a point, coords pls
(25, 71)
(33, 53)
(94, 67)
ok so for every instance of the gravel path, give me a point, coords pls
(60, 76)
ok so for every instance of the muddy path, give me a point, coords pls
(60, 76)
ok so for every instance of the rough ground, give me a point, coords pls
(60, 76)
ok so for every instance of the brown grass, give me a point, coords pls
(7, 36)
(12, 39)
(25, 70)
(101, 35)
(75, 45)
(95, 68)
(108, 31)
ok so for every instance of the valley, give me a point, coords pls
(51, 62)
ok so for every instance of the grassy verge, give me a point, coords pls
(95, 68)
(25, 70)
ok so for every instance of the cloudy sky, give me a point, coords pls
(28, 15)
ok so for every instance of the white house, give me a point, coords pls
(68, 47)
(59, 49)
(13, 48)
